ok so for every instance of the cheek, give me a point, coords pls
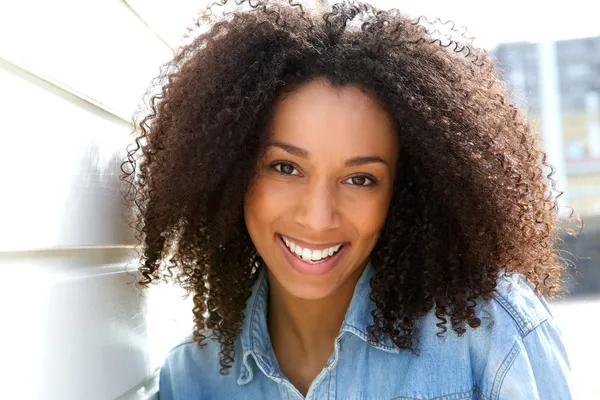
(263, 204)
(368, 217)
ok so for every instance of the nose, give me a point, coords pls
(317, 207)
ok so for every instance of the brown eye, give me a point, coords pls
(360, 180)
(286, 169)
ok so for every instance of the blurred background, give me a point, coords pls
(72, 74)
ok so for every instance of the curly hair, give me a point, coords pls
(473, 196)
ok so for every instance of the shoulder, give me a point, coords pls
(190, 370)
(515, 298)
(516, 352)
(536, 365)
(513, 312)
(189, 357)
(525, 356)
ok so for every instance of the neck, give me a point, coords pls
(310, 326)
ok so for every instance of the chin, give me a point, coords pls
(309, 289)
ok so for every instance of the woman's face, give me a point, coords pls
(321, 195)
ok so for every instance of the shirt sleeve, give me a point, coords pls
(165, 390)
(540, 367)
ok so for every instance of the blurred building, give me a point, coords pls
(578, 70)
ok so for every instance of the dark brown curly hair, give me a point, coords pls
(473, 197)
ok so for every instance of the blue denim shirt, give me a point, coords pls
(519, 356)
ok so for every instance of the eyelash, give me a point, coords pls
(277, 164)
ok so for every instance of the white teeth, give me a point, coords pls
(316, 255)
(306, 255)
(310, 255)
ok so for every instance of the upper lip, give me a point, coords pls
(312, 246)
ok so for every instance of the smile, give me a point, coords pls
(309, 255)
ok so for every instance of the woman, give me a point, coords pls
(358, 210)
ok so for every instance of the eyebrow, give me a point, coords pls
(355, 161)
(293, 150)
(351, 162)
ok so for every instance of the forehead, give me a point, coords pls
(319, 116)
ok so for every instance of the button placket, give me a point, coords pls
(320, 387)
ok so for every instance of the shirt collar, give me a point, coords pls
(255, 334)
(359, 314)
(255, 337)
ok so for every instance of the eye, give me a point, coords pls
(285, 168)
(360, 180)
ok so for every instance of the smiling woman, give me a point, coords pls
(324, 184)
(358, 212)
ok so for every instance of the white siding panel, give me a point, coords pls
(78, 328)
(60, 160)
(72, 324)
(97, 47)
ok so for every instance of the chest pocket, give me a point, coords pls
(473, 394)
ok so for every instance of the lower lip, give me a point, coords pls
(304, 267)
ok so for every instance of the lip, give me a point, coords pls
(306, 245)
(304, 267)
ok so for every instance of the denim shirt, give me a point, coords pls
(518, 356)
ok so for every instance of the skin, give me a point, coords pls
(308, 189)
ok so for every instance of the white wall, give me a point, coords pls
(71, 75)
